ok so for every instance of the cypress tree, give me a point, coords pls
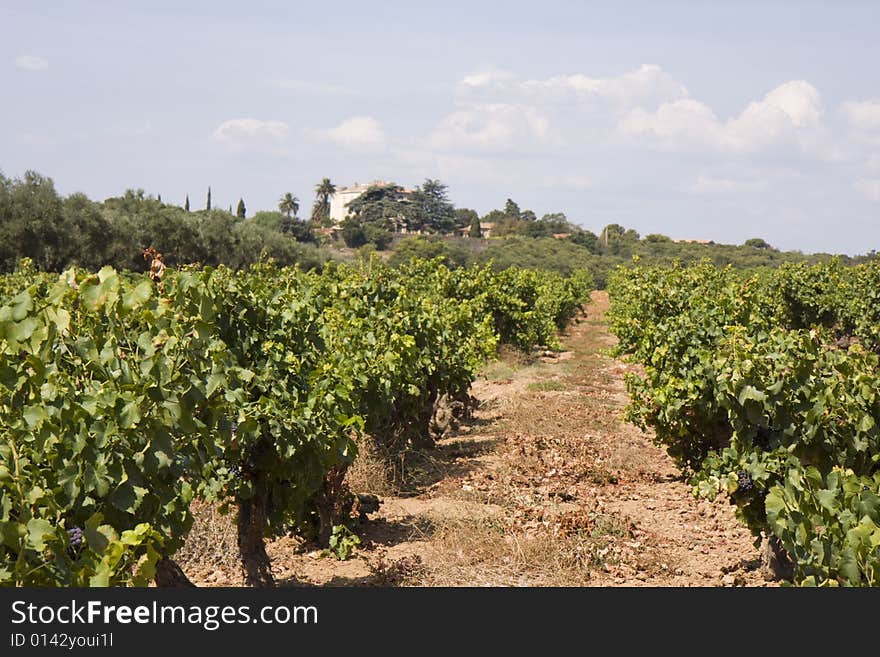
(159, 198)
(186, 203)
(476, 230)
(208, 205)
(240, 211)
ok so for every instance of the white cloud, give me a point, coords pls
(498, 110)
(31, 63)
(593, 125)
(648, 85)
(490, 126)
(244, 130)
(868, 188)
(487, 77)
(356, 132)
(309, 88)
(797, 100)
(864, 115)
(680, 121)
(784, 114)
(789, 107)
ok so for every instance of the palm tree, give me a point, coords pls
(289, 205)
(321, 209)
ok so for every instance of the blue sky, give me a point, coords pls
(703, 120)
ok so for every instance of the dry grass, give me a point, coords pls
(490, 552)
(508, 363)
(551, 385)
(212, 544)
(372, 471)
(408, 472)
(516, 358)
(498, 371)
(406, 571)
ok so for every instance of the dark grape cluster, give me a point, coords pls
(744, 481)
(75, 541)
(240, 471)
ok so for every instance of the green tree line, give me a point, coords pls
(55, 231)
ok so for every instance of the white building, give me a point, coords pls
(344, 195)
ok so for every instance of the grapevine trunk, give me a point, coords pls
(170, 575)
(251, 545)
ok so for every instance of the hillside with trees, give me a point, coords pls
(57, 231)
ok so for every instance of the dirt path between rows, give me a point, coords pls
(547, 486)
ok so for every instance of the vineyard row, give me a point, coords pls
(124, 398)
(766, 387)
